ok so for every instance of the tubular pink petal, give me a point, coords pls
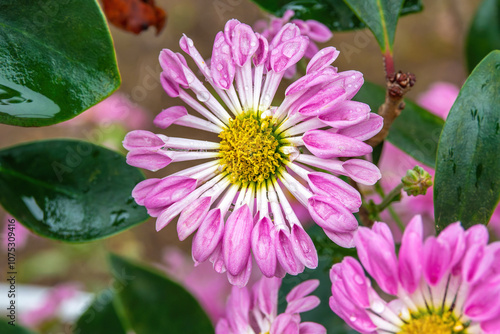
(323, 101)
(303, 304)
(266, 294)
(318, 32)
(346, 114)
(170, 190)
(328, 185)
(142, 139)
(222, 65)
(192, 217)
(365, 129)
(436, 262)
(325, 145)
(244, 44)
(287, 54)
(168, 116)
(142, 189)
(362, 171)
(217, 259)
(236, 241)
(483, 303)
(410, 266)
(353, 80)
(262, 51)
(476, 235)
(322, 59)
(304, 248)
(286, 255)
(356, 283)
(321, 77)
(331, 215)
(284, 324)
(237, 309)
(356, 317)
(222, 327)
(208, 236)
(172, 67)
(383, 264)
(311, 50)
(170, 87)
(242, 278)
(382, 230)
(303, 289)
(263, 246)
(343, 239)
(454, 235)
(148, 158)
(229, 29)
(476, 263)
(311, 328)
(288, 32)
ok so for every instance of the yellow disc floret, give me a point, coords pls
(249, 150)
(424, 323)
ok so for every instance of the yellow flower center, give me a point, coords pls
(249, 149)
(423, 323)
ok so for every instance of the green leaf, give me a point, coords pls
(484, 33)
(56, 60)
(416, 131)
(69, 190)
(154, 304)
(381, 17)
(5, 328)
(467, 182)
(101, 317)
(329, 253)
(335, 14)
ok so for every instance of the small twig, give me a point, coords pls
(397, 86)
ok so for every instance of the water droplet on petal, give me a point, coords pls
(377, 306)
(358, 279)
(353, 318)
(223, 82)
(203, 96)
(189, 78)
(219, 67)
(190, 42)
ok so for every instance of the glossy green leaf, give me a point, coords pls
(56, 60)
(69, 190)
(381, 17)
(5, 328)
(467, 182)
(333, 13)
(101, 317)
(154, 304)
(328, 253)
(416, 131)
(484, 33)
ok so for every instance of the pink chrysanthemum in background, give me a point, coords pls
(236, 201)
(256, 311)
(445, 284)
(394, 163)
(314, 30)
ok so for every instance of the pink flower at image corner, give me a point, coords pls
(254, 311)
(235, 203)
(444, 284)
(316, 31)
(394, 163)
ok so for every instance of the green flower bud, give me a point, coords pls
(416, 181)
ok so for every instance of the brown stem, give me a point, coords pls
(388, 65)
(397, 86)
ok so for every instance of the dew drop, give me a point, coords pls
(246, 87)
(203, 96)
(359, 280)
(190, 42)
(377, 306)
(189, 78)
(223, 82)
(267, 97)
(353, 77)
(219, 67)
(353, 318)
(252, 44)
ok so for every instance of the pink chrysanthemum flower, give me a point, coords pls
(258, 151)
(256, 311)
(448, 284)
(314, 30)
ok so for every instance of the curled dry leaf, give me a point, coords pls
(135, 15)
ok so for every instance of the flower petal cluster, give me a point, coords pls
(256, 311)
(314, 30)
(445, 284)
(236, 202)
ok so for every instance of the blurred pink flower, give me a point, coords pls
(51, 306)
(20, 236)
(316, 31)
(444, 284)
(256, 310)
(394, 163)
(202, 281)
